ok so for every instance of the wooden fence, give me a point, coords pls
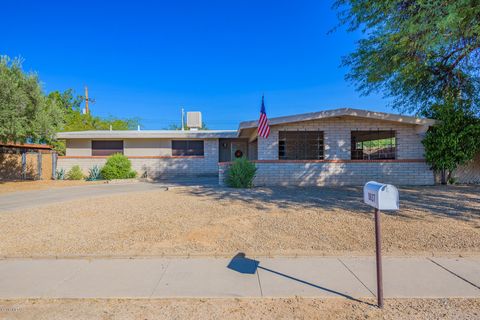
(27, 165)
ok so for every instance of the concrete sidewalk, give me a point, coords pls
(239, 277)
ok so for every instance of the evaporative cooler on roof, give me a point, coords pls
(194, 120)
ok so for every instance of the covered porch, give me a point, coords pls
(229, 149)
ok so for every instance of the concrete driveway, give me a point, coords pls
(25, 199)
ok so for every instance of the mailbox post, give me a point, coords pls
(381, 197)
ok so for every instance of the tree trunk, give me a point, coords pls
(443, 173)
(449, 176)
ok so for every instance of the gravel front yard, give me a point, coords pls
(267, 221)
(281, 308)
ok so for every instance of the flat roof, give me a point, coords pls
(126, 134)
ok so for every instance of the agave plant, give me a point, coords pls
(60, 174)
(94, 174)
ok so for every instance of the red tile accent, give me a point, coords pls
(331, 161)
(133, 157)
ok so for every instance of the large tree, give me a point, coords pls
(75, 120)
(417, 51)
(28, 115)
(68, 100)
(454, 140)
(25, 113)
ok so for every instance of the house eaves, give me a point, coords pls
(148, 134)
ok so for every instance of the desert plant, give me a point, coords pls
(75, 173)
(132, 174)
(60, 174)
(241, 173)
(118, 167)
(452, 180)
(94, 173)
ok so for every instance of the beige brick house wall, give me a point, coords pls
(338, 169)
(336, 132)
(337, 173)
(156, 166)
(341, 174)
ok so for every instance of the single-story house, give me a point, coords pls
(335, 147)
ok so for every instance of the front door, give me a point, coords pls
(238, 150)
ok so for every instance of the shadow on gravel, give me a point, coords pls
(458, 202)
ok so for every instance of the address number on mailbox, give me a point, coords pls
(381, 196)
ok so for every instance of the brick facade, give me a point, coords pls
(337, 169)
(338, 173)
(157, 167)
(154, 156)
(337, 132)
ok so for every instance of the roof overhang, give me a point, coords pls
(148, 134)
(246, 127)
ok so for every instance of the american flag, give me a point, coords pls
(263, 128)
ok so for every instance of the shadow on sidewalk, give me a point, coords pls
(242, 264)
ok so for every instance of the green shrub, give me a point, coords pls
(118, 167)
(241, 173)
(452, 180)
(75, 173)
(94, 173)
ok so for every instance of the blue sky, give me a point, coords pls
(148, 58)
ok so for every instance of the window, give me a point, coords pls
(187, 148)
(106, 148)
(300, 145)
(373, 145)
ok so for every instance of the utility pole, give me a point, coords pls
(87, 100)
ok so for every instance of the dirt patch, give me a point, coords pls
(25, 185)
(261, 308)
(259, 222)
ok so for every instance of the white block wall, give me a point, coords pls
(338, 173)
(337, 134)
(339, 170)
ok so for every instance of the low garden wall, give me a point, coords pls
(337, 172)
